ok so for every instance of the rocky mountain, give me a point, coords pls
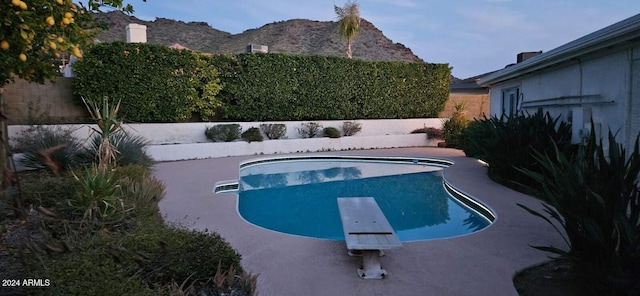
(297, 36)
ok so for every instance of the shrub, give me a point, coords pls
(309, 129)
(432, 132)
(66, 149)
(453, 127)
(223, 132)
(131, 150)
(350, 128)
(596, 199)
(507, 143)
(331, 132)
(252, 135)
(274, 131)
(154, 83)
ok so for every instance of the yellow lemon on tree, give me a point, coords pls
(68, 15)
(57, 55)
(60, 2)
(15, 3)
(60, 40)
(4, 44)
(76, 52)
(23, 57)
(66, 21)
(23, 5)
(53, 45)
(50, 21)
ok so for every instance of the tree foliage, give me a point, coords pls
(36, 34)
(348, 22)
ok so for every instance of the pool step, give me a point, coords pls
(227, 186)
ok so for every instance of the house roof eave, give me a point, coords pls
(626, 30)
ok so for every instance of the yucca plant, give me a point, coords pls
(106, 118)
(595, 198)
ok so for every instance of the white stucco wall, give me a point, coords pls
(609, 75)
(178, 141)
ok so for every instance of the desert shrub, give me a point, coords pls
(131, 149)
(432, 132)
(331, 132)
(453, 127)
(309, 129)
(507, 143)
(133, 172)
(223, 132)
(65, 148)
(350, 128)
(595, 197)
(252, 135)
(274, 131)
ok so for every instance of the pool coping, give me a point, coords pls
(481, 263)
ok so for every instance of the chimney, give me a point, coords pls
(523, 56)
(136, 33)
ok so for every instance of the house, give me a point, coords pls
(596, 77)
(474, 97)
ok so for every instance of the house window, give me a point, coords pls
(510, 101)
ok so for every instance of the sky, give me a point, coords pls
(472, 36)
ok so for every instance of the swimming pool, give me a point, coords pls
(298, 195)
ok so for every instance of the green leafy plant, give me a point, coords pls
(350, 128)
(309, 129)
(154, 83)
(595, 198)
(331, 132)
(507, 143)
(274, 131)
(223, 132)
(357, 88)
(252, 135)
(44, 146)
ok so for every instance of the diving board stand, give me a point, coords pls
(366, 229)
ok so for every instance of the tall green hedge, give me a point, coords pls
(159, 84)
(257, 87)
(154, 83)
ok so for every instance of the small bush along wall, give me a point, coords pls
(262, 87)
(154, 83)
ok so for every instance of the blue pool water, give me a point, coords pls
(300, 197)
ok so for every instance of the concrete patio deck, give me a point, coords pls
(482, 263)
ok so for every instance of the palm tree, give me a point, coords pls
(348, 22)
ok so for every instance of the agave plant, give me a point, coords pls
(595, 198)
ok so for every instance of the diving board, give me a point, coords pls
(366, 229)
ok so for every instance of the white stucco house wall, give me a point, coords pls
(594, 77)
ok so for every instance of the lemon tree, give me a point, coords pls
(35, 35)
